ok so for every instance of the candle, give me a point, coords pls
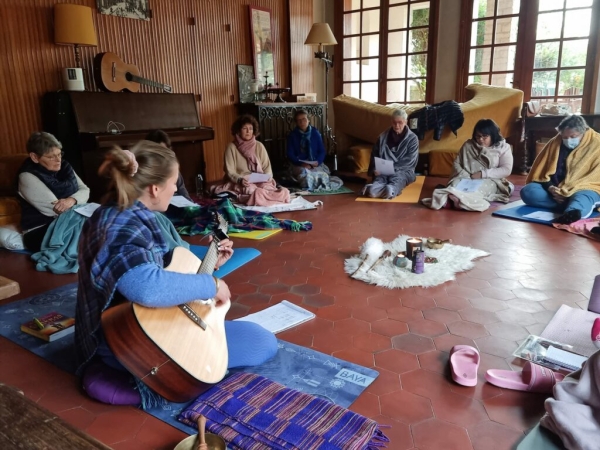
(418, 265)
(413, 244)
(400, 260)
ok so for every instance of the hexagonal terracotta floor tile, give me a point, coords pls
(437, 434)
(491, 435)
(441, 315)
(404, 314)
(369, 314)
(425, 383)
(385, 383)
(396, 361)
(467, 329)
(389, 327)
(397, 432)
(515, 409)
(477, 315)
(413, 343)
(447, 341)
(427, 328)
(405, 407)
(434, 361)
(510, 331)
(458, 409)
(371, 342)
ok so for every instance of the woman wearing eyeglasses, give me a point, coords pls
(48, 186)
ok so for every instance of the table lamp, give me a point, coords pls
(74, 25)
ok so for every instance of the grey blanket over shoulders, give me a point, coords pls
(574, 412)
(404, 155)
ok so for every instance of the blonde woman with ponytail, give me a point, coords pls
(122, 254)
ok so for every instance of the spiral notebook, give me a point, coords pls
(568, 360)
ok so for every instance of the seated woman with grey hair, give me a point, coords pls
(565, 176)
(48, 187)
(401, 146)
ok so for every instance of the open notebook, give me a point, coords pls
(280, 317)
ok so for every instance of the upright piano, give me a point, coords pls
(90, 123)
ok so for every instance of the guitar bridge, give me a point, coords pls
(191, 314)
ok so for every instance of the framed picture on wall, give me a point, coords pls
(263, 47)
(132, 9)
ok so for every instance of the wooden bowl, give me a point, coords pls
(436, 244)
(191, 442)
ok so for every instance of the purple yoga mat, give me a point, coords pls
(594, 304)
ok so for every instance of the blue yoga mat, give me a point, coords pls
(240, 257)
(519, 212)
(296, 367)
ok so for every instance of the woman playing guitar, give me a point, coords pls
(122, 253)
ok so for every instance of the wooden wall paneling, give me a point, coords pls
(199, 58)
(301, 56)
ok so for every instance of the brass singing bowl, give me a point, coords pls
(213, 441)
(436, 243)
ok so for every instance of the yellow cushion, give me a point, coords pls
(440, 162)
(360, 155)
(10, 211)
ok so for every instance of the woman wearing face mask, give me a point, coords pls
(565, 176)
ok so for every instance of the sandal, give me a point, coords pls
(533, 378)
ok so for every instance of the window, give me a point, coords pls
(544, 47)
(388, 49)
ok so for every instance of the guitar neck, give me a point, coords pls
(147, 82)
(210, 259)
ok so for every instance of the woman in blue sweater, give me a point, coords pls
(306, 152)
(122, 256)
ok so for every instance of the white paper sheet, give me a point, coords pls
(542, 215)
(88, 209)
(280, 317)
(384, 167)
(312, 163)
(258, 177)
(181, 202)
(466, 185)
(296, 204)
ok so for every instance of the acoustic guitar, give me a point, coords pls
(179, 351)
(113, 75)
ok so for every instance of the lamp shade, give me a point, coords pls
(320, 34)
(73, 24)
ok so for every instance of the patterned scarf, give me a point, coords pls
(254, 413)
(112, 242)
(248, 151)
(305, 147)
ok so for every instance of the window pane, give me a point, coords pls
(352, 89)
(419, 14)
(396, 67)
(417, 65)
(544, 83)
(479, 79)
(504, 58)
(351, 5)
(370, 3)
(351, 48)
(351, 70)
(397, 42)
(370, 69)
(549, 5)
(578, 3)
(577, 23)
(481, 32)
(549, 26)
(351, 23)
(370, 45)
(483, 8)
(398, 17)
(369, 92)
(506, 30)
(546, 55)
(479, 60)
(571, 82)
(418, 40)
(506, 7)
(395, 2)
(502, 79)
(574, 53)
(395, 91)
(370, 21)
(416, 90)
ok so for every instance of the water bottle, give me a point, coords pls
(199, 186)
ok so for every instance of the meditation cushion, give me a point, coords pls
(11, 238)
(108, 385)
(440, 162)
(10, 210)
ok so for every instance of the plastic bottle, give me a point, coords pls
(199, 186)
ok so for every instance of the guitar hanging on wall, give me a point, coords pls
(113, 75)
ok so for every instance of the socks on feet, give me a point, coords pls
(568, 217)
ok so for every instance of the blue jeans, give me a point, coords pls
(534, 194)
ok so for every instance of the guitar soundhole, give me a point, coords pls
(128, 76)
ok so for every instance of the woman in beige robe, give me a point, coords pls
(244, 157)
(479, 172)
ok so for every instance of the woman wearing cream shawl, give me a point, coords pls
(486, 158)
(243, 157)
(565, 176)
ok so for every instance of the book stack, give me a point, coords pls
(50, 327)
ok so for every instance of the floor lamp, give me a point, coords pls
(320, 34)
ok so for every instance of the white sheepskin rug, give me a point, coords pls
(451, 259)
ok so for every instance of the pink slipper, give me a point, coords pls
(533, 378)
(464, 362)
(596, 333)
